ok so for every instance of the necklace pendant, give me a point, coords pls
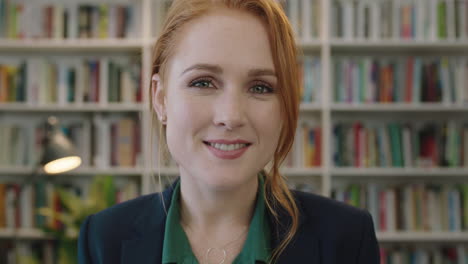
(214, 250)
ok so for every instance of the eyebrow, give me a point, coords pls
(218, 70)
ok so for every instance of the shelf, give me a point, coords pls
(21, 233)
(398, 107)
(304, 107)
(84, 107)
(293, 172)
(310, 107)
(70, 45)
(399, 45)
(310, 45)
(115, 171)
(24, 171)
(323, 112)
(302, 172)
(422, 236)
(399, 172)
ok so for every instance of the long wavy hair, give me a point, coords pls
(284, 52)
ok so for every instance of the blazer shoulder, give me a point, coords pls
(317, 204)
(103, 235)
(328, 216)
(131, 207)
(122, 216)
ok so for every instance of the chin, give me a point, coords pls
(226, 179)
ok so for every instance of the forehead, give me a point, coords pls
(235, 40)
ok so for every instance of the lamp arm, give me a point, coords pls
(33, 176)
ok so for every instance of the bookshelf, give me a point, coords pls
(319, 40)
(422, 237)
(20, 239)
(328, 46)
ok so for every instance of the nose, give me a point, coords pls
(229, 111)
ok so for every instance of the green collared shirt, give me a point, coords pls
(256, 249)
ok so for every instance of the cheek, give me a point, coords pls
(269, 125)
(184, 119)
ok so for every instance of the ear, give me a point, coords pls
(158, 97)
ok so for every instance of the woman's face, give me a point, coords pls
(221, 99)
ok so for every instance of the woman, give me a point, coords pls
(225, 91)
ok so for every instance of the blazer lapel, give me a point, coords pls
(145, 247)
(304, 248)
(147, 243)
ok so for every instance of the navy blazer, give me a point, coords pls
(330, 232)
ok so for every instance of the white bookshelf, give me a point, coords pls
(399, 107)
(459, 45)
(23, 234)
(439, 237)
(72, 108)
(82, 171)
(310, 107)
(385, 237)
(399, 172)
(324, 111)
(79, 45)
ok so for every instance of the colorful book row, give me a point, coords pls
(400, 19)
(19, 204)
(305, 17)
(103, 142)
(37, 19)
(400, 144)
(22, 140)
(67, 80)
(307, 147)
(116, 142)
(23, 251)
(410, 207)
(310, 70)
(404, 79)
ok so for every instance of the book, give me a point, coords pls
(62, 81)
(399, 19)
(69, 20)
(409, 207)
(400, 79)
(400, 144)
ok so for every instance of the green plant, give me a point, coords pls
(75, 210)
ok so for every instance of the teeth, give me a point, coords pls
(227, 147)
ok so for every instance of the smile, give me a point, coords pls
(227, 151)
(227, 147)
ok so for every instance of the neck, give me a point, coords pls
(212, 210)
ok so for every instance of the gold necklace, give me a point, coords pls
(220, 249)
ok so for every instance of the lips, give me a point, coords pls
(227, 154)
(225, 141)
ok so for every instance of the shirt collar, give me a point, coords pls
(176, 247)
(257, 244)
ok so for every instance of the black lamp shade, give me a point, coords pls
(59, 154)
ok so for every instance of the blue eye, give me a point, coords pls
(261, 89)
(201, 83)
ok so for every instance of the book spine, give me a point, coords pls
(451, 17)
(348, 20)
(307, 19)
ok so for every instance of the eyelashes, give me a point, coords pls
(202, 83)
(258, 87)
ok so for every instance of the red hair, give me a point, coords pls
(284, 52)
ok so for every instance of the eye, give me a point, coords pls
(261, 88)
(202, 83)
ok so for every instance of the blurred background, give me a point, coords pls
(383, 118)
